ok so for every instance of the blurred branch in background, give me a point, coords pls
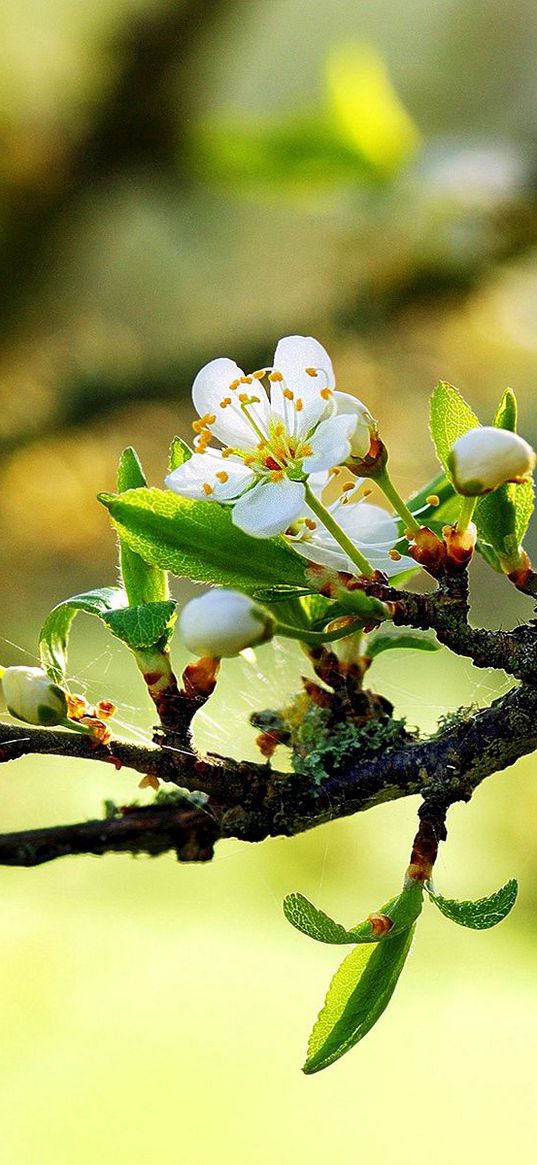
(136, 124)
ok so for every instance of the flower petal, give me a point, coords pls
(330, 443)
(348, 405)
(269, 507)
(213, 396)
(197, 478)
(293, 355)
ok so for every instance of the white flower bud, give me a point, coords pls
(31, 696)
(485, 458)
(222, 623)
(365, 426)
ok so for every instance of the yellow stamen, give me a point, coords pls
(334, 470)
(225, 402)
(347, 487)
(207, 488)
(311, 371)
(275, 376)
(223, 476)
(227, 451)
(259, 374)
(309, 521)
(433, 500)
(276, 475)
(234, 384)
(244, 398)
(299, 405)
(245, 380)
(394, 555)
(367, 492)
(326, 393)
(306, 451)
(249, 459)
(288, 394)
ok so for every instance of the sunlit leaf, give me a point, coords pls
(198, 540)
(143, 583)
(450, 417)
(407, 640)
(143, 626)
(54, 636)
(358, 994)
(479, 915)
(179, 453)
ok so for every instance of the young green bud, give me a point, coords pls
(485, 458)
(31, 696)
(222, 623)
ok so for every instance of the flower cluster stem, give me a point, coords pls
(385, 483)
(333, 527)
(466, 513)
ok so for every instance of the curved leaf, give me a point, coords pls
(143, 583)
(450, 417)
(54, 635)
(358, 994)
(479, 915)
(198, 540)
(401, 639)
(143, 626)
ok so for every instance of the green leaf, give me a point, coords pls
(130, 474)
(507, 412)
(403, 910)
(54, 636)
(198, 539)
(400, 639)
(143, 583)
(358, 994)
(143, 626)
(179, 453)
(450, 417)
(307, 918)
(502, 517)
(479, 915)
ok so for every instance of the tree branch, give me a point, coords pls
(251, 801)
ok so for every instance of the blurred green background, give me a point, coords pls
(180, 181)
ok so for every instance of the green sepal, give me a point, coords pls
(143, 583)
(144, 626)
(358, 994)
(54, 635)
(450, 417)
(479, 915)
(409, 640)
(179, 453)
(198, 540)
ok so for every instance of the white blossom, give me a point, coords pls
(272, 443)
(370, 527)
(485, 458)
(222, 623)
(31, 696)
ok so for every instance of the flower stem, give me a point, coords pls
(466, 513)
(385, 483)
(333, 527)
(317, 638)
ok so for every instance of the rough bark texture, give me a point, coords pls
(252, 801)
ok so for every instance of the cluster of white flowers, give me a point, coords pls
(274, 437)
(285, 430)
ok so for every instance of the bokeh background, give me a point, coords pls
(180, 181)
